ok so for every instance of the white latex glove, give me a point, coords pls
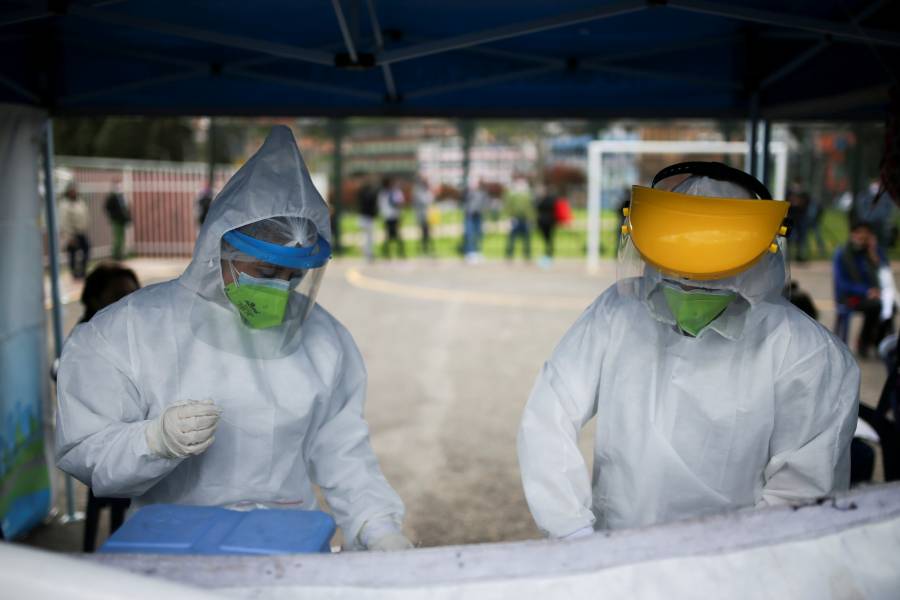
(183, 429)
(383, 535)
(579, 533)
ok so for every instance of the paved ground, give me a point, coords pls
(452, 352)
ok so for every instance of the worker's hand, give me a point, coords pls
(383, 535)
(874, 294)
(183, 429)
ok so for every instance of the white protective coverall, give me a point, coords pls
(758, 410)
(291, 397)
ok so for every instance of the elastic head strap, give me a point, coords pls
(715, 170)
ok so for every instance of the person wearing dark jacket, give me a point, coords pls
(119, 216)
(367, 204)
(546, 222)
(107, 284)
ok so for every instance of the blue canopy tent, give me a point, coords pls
(621, 58)
(756, 59)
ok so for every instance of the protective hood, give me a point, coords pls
(273, 183)
(764, 280)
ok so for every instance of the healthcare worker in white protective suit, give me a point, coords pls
(711, 391)
(228, 386)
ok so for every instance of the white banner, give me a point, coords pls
(25, 497)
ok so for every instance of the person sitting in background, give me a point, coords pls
(107, 284)
(857, 285)
(802, 300)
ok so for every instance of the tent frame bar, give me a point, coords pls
(511, 31)
(483, 81)
(809, 54)
(203, 35)
(345, 30)
(389, 83)
(19, 89)
(848, 31)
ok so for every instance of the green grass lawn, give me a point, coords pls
(571, 242)
(834, 229)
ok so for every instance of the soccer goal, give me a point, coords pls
(603, 151)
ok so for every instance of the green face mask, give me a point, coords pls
(262, 303)
(695, 309)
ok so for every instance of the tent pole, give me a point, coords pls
(53, 249)
(752, 137)
(211, 156)
(466, 129)
(764, 152)
(856, 168)
(337, 180)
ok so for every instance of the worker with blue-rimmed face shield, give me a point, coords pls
(229, 386)
(711, 391)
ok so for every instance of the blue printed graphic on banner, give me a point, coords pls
(24, 476)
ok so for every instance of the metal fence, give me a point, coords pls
(161, 195)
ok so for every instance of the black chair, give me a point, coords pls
(117, 508)
(883, 420)
(889, 437)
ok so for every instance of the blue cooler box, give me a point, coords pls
(175, 529)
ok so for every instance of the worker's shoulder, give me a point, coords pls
(807, 338)
(620, 296)
(322, 322)
(140, 303)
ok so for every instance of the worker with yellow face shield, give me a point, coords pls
(712, 392)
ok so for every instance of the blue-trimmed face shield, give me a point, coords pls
(291, 257)
(272, 270)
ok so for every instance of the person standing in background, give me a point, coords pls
(73, 227)
(519, 206)
(546, 222)
(119, 216)
(815, 212)
(390, 204)
(423, 200)
(798, 213)
(202, 204)
(367, 205)
(474, 204)
(876, 208)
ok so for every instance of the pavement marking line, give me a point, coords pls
(357, 279)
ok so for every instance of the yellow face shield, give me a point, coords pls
(702, 238)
